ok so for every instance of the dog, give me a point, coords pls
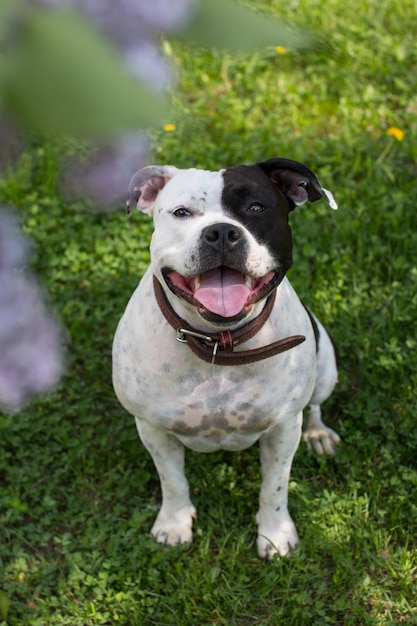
(215, 350)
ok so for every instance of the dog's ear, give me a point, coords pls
(296, 181)
(145, 185)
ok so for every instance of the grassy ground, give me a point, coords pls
(79, 492)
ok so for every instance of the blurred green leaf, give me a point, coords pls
(63, 76)
(4, 604)
(224, 24)
(7, 9)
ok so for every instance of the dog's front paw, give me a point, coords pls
(280, 538)
(321, 440)
(172, 528)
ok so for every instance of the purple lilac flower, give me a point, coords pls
(30, 339)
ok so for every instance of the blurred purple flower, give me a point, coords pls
(104, 176)
(133, 26)
(30, 339)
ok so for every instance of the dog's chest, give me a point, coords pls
(212, 407)
(226, 401)
(229, 410)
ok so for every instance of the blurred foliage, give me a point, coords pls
(60, 74)
(226, 25)
(63, 75)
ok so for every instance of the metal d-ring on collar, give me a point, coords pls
(219, 347)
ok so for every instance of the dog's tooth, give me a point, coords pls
(197, 283)
(248, 282)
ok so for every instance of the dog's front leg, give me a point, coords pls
(276, 530)
(173, 524)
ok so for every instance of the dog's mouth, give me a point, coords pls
(222, 291)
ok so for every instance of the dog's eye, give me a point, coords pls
(182, 212)
(256, 207)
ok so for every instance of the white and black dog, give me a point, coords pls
(215, 350)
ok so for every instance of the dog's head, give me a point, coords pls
(222, 241)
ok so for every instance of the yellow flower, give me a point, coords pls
(280, 49)
(169, 127)
(393, 131)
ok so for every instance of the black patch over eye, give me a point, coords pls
(182, 212)
(256, 207)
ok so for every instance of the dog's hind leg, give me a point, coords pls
(319, 437)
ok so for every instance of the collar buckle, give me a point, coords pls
(183, 333)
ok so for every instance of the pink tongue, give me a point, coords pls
(222, 291)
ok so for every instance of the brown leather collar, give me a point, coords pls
(219, 347)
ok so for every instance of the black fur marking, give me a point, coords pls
(314, 325)
(317, 334)
(248, 185)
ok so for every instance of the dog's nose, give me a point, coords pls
(222, 236)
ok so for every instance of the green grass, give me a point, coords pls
(78, 491)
